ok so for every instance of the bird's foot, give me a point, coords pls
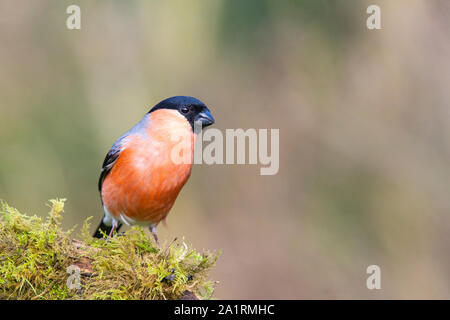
(153, 231)
(115, 224)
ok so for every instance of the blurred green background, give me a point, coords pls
(363, 118)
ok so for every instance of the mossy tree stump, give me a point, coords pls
(38, 260)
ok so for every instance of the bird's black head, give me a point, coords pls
(189, 107)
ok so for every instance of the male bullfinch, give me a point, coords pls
(140, 180)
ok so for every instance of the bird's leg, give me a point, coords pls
(153, 231)
(115, 224)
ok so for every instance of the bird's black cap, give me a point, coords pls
(191, 108)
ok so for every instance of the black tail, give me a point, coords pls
(105, 229)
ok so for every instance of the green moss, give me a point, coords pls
(38, 260)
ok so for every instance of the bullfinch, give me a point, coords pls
(140, 179)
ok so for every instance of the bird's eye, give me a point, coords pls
(184, 110)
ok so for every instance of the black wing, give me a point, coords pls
(110, 159)
(114, 152)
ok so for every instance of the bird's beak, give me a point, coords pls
(205, 118)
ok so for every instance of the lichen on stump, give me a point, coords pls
(39, 260)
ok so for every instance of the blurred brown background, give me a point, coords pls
(363, 118)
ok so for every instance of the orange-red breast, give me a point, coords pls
(142, 173)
